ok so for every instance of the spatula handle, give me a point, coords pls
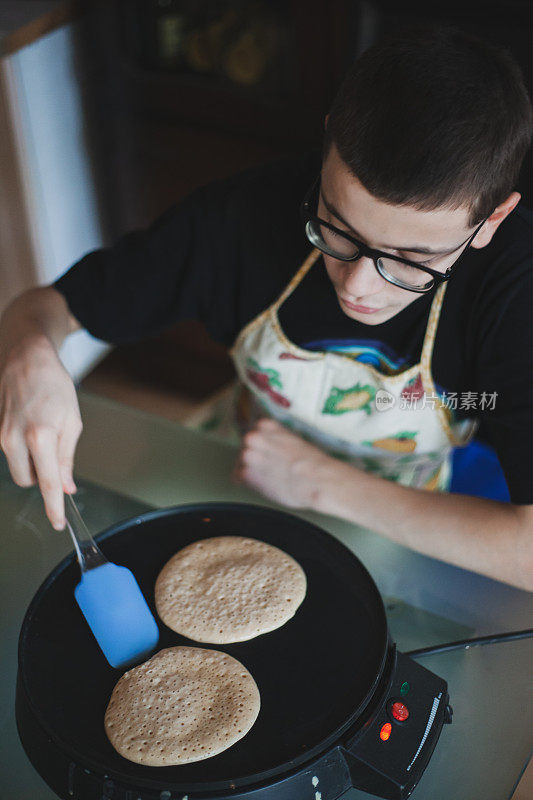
(88, 553)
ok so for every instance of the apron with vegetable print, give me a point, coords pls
(395, 426)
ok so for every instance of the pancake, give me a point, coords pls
(228, 589)
(184, 704)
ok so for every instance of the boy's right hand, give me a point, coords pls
(40, 421)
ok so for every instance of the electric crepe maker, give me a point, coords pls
(340, 706)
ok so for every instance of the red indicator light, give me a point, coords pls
(400, 712)
(385, 732)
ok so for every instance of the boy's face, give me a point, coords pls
(362, 293)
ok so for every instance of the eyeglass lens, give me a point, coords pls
(337, 246)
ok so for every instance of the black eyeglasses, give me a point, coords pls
(338, 244)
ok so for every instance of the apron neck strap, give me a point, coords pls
(297, 278)
(431, 329)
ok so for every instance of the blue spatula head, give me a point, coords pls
(118, 615)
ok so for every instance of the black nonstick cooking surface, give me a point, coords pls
(316, 674)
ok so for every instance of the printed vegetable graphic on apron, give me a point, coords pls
(356, 398)
(284, 356)
(414, 389)
(403, 442)
(265, 380)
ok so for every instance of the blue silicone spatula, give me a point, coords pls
(110, 598)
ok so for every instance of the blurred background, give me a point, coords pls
(112, 110)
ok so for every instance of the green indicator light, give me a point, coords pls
(404, 688)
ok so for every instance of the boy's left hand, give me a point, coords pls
(281, 465)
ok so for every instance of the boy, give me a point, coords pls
(376, 325)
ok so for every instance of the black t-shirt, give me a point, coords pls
(227, 250)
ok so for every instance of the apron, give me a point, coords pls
(380, 423)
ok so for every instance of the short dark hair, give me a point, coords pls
(432, 117)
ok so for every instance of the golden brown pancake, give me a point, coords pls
(183, 704)
(228, 589)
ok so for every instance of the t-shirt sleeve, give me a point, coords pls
(178, 268)
(219, 256)
(504, 376)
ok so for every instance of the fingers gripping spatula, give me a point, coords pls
(110, 598)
